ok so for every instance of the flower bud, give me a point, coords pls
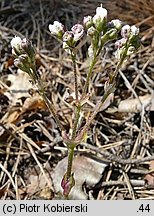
(78, 32)
(112, 34)
(100, 18)
(94, 36)
(68, 38)
(120, 43)
(130, 50)
(24, 59)
(87, 22)
(109, 35)
(26, 45)
(16, 45)
(67, 184)
(19, 64)
(125, 31)
(57, 29)
(116, 23)
(23, 62)
(91, 32)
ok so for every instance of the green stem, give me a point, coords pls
(77, 115)
(109, 90)
(100, 48)
(78, 108)
(89, 75)
(70, 160)
(75, 75)
(46, 100)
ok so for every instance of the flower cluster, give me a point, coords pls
(100, 31)
(129, 42)
(24, 53)
(69, 38)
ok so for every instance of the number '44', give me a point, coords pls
(144, 208)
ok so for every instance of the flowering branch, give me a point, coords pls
(24, 54)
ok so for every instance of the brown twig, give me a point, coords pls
(116, 159)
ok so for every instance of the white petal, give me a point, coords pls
(15, 42)
(134, 30)
(102, 12)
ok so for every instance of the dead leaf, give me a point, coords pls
(33, 103)
(12, 115)
(86, 170)
(135, 105)
(8, 63)
(19, 87)
(38, 186)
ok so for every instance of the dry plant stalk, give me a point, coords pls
(100, 32)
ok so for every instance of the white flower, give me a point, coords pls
(134, 30)
(88, 21)
(56, 29)
(125, 31)
(120, 43)
(16, 42)
(116, 23)
(78, 32)
(101, 15)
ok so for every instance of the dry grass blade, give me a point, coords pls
(24, 136)
(40, 165)
(9, 176)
